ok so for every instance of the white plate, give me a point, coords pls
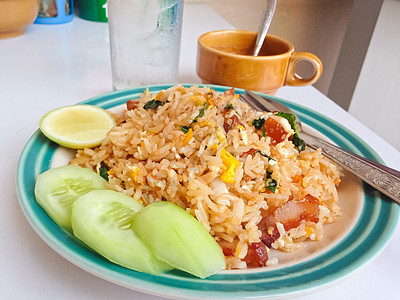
(363, 231)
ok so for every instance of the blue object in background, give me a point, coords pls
(55, 11)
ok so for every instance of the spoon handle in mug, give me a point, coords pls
(382, 178)
(268, 13)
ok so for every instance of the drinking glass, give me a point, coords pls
(145, 38)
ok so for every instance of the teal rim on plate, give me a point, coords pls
(364, 242)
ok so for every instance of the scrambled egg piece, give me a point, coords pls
(230, 165)
(188, 137)
(221, 135)
(198, 99)
(134, 173)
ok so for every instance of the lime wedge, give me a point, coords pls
(77, 126)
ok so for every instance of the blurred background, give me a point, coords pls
(358, 42)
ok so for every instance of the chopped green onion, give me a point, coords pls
(185, 129)
(263, 154)
(201, 112)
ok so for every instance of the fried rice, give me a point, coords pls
(248, 185)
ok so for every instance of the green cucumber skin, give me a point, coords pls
(153, 239)
(103, 221)
(179, 239)
(58, 188)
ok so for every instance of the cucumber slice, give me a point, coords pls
(103, 220)
(179, 239)
(57, 188)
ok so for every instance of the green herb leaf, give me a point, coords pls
(185, 129)
(270, 183)
(153, 104)
(103, 170)
(291, 118)
(297, 141)
(258, 123)
(229, 106)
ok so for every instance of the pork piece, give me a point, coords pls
(232, 122)
(268, 237)
(290, 214)
(293, 212)
(257, 255)
(228, 251)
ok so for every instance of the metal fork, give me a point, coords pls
(382, 178)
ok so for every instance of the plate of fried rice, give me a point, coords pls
(288, 220)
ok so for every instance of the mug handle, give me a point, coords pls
(292, 79)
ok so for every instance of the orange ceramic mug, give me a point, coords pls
(225, 58)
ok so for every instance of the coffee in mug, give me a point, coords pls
(225, 58)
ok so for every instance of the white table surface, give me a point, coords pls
(55, 65)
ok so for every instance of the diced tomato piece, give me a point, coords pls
(131, 104)
(250, 152)
(230, 92)
(275, 131)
